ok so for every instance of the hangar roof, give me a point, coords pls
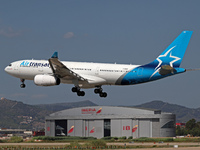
(106, 112)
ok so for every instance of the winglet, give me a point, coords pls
(55, 55)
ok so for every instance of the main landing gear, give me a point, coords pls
(22, 85)
(100, 92)
(78, 91)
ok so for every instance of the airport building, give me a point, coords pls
(102, 121)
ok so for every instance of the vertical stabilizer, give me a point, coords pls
(174, 53)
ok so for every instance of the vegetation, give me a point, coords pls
(15, 114)
(62, 139)
(107, 138)
(145, 139)
(93, 141)
(16, 139)
(192, 128)
(97, 143)
(84, 147)
(75, 144)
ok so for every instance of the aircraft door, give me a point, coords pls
(140, 71)
(15, 67)
(97, 71)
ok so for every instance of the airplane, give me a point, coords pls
(85, 75)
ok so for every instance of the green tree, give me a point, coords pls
(191, 124)
(193, 128)
(195, 131)
(178, 130)
(181, 131)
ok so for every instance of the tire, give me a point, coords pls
(82, 93)
(22, 85)
(79, 93)
(74, 89)
(104, 94)
(96, 91)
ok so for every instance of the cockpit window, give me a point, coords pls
(10, 65)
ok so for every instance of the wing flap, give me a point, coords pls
(61, 71)
(94, 79)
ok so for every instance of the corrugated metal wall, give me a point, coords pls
(114, 121)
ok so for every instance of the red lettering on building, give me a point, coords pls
(88, 110)
(126, 128)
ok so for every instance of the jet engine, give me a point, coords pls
(46, 80)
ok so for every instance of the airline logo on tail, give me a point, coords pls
(167, 58)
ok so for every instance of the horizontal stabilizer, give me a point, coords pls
(166, 69)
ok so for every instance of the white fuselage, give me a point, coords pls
(108, 72)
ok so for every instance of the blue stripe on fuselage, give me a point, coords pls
(145, 74)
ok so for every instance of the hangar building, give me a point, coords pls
(102, 121)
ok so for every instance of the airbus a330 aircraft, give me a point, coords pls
(94, 75)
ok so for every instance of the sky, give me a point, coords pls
(114, 31)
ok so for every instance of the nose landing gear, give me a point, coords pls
(22, 85)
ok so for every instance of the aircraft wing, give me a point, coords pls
(61, 71)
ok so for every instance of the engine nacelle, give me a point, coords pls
(46, 80)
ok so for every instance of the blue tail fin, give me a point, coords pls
(174, 53)
(166, 64)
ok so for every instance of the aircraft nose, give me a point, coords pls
(8, 69)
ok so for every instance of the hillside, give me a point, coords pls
(183, 114)
(61, 106)
(15, 114)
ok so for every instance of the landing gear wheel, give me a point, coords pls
(103, 94)
(22, 85)
(80, 93)
(74, 89)
(98, 90)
